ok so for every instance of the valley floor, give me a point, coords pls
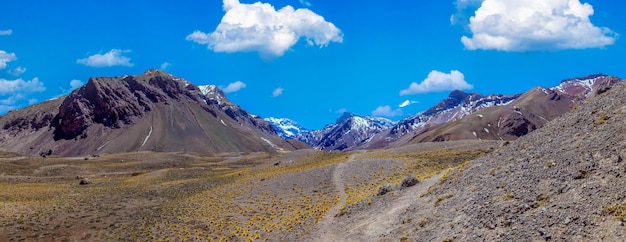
(302, 195)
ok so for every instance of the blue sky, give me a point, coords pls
(309, 60)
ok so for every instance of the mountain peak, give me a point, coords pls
(458, 93)
(345, 116)
(151, 111)
(589, 77)
(156, 72)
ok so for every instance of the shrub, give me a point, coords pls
(409, 181)
(618, 210)
(384, 190)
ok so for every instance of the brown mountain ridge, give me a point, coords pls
(154, 111)
(522, 114)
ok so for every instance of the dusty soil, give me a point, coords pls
(563, 182)
(146, 196)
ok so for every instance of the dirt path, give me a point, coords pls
(326, 231)
(372, 223)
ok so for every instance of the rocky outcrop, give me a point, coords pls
(154, 111)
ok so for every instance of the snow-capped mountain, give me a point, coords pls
(581, 88)
(287, 128)
(508, 117)
(456, 106)
(348, 131)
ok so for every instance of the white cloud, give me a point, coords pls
(277, 92)
(6, 57)
(11, 100)
(165, 65)
(407, 103)
(535, 25)
(76, 84)
(234, 86)
(305, 3)
(18, 71)
(438, 81)
(12, 92)
(6, 32)
(386, 111)
(341, 110)
(259, 27)
(20, 86)
(114, 57)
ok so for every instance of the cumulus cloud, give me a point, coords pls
(259, 27)
(407, 103)
(6, 32)
(535, 25)
(234, 86)
(6, 57)
(115, 57)
(438, 81)
(20, 86)
(76, 84)
(277, 92)
(12, 92)
(386, 111)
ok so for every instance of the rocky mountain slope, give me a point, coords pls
(351, 130)
(457, 106)
(563, 182)
(525, 114)
(152, 111)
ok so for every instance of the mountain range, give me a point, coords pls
(460, 116)
(350, 130)
(154, 111)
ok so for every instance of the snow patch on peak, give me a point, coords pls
(286, 128)
(586, 83)
(207, 89)
(211, 92)
(359, 123)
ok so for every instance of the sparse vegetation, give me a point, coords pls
(507, 196)
(441, 199)
(420, 164)
(179, 197)
(617, 210)
(601, 118)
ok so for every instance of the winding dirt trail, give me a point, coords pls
(326, 231)
(372, 223)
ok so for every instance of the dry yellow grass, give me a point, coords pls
(420, 163)
(179, 197)
(618, 210)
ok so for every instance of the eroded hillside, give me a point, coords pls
(565, 181)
